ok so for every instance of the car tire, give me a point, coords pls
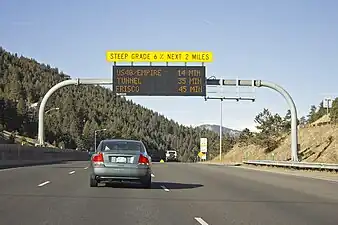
(93, 182)
(146, 183)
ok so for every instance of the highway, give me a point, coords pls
(183, 194)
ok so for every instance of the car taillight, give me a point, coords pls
(97, 158)
(143, 160)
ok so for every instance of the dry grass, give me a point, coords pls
(317, 144)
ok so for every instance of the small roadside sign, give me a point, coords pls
(202, 155)
(204, 145)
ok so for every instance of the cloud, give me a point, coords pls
(207, 22)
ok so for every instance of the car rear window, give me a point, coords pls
(122, 146)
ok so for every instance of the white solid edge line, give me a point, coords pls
(10, 169)
(44, 183)
(152, 175)
(201, 221)
(71, 172)
(164, 188)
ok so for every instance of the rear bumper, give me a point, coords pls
(172, 158)
(120, 173)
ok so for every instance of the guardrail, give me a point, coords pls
(14, 155)
(19, 138)
(295, 165)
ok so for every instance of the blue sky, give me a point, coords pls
(291, 42)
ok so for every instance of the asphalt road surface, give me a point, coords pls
(183, 194)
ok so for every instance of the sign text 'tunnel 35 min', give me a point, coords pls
(159, 80)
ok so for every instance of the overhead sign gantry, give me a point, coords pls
(150, 80)
(131, 80)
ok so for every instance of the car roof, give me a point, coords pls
(127, 140)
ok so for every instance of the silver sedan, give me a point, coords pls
(118, 160)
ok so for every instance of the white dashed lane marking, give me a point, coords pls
(201, 221)
(85, 168)
(44, 183)
(152, 175)
(71, 172)
(164, 188)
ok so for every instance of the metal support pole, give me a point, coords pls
(327, 100)
(294, 129)
(220, 131)
(55, 88)
(216, 82)
(94, 141)
(95, 135)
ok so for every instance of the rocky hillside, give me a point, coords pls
(317, 144)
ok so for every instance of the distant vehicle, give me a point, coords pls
(156, 155)
(171, 155)
(119, 160)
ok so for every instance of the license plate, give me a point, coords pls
(121, 160)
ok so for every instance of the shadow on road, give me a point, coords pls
(155, 185)
(171, 185)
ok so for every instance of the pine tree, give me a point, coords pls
(334, 111)
(312, 114)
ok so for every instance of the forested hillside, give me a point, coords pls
(84, 109)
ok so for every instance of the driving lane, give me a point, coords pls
(181, 194)
(68, 199)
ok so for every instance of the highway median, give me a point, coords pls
(14, 155)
